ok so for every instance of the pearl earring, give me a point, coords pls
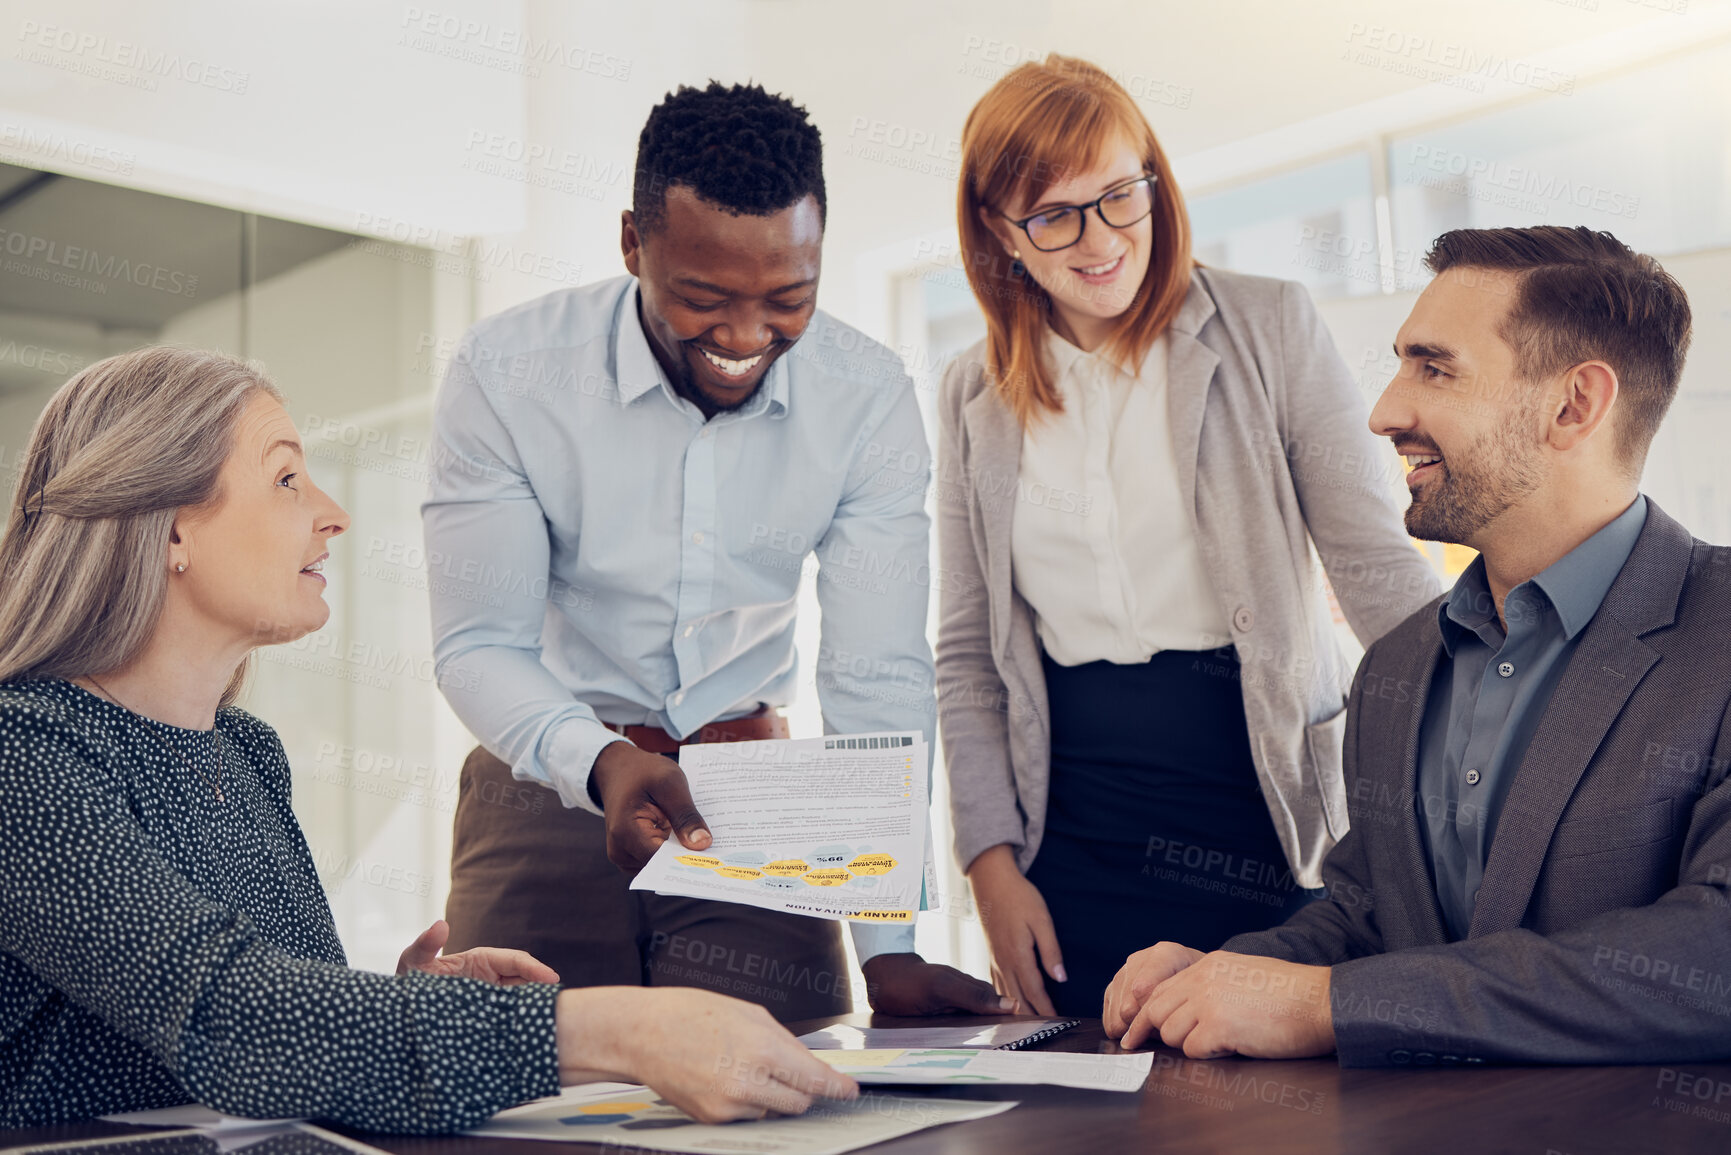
(181, 568)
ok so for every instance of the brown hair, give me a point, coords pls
(1582, 295)
(118, 451)
(1038, 123)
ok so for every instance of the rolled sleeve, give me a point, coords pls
(873, 939)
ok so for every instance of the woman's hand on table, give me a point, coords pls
(715, 1058)
(1017, 925)
(505, 968)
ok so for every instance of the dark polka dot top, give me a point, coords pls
(158, 947)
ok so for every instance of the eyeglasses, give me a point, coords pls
(1119, 206)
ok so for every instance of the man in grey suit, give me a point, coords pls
(1538, 764)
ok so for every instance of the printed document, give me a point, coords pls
(637, 1119)
(837, 827)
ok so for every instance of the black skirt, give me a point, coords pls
(1156, 827)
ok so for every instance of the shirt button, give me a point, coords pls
(697, 537)
(677, 698)
(1243, 618)
(689, 630)
(706, 431)
(1506, 669)
(1472, 777)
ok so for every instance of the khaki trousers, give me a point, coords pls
(530, 874)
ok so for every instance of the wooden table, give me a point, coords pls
(1247, 1105)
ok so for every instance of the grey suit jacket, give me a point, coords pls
(1602, 931)
(1274, 454)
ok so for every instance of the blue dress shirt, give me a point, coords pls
(1488, 694)
(598, 552)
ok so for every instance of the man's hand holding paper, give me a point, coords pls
(647, 801)
(832, 827)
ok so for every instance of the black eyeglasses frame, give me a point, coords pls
(1150, 178)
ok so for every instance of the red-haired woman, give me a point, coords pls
(1142, 715)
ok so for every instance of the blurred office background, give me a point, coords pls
(339, 189)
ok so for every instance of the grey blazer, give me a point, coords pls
(1274, 455)
(1602, 931)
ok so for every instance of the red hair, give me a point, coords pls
(1040, 123)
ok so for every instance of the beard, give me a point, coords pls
(1478, 485)
(687, 383)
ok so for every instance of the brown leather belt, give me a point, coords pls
(764, 722)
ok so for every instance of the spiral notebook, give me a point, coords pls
(997, 1037)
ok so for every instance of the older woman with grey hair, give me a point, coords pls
(163, 934)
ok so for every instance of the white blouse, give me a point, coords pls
(1102, 547)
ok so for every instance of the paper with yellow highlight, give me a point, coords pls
(835, 827)
(636, 1119)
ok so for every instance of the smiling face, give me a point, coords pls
(251, 559)
(1094, 281)
(1470, 426)
(724, 295)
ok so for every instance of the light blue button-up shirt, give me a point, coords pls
(598, 552)
(1489, 693)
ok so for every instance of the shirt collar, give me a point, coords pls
(773, 393)
(634, 363)
(1468, 608)
(1575, 584)
(1065, 356)
(638, 371)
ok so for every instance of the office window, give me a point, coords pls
(1315, 225)
(1645, 155)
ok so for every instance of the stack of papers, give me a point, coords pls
(845, 1037)
(835, 827)
(1005, 1068)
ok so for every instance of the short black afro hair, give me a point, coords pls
(738, 147)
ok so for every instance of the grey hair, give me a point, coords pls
(116, 454)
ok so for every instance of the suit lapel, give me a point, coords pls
(1602, 675)
(1410, 870)
(1608, 663)
(995, 446)
(1190, 369)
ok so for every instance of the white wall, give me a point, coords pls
(334, 112)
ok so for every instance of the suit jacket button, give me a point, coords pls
(1243, 619)
(1424, 1059)
(1400, 1057)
